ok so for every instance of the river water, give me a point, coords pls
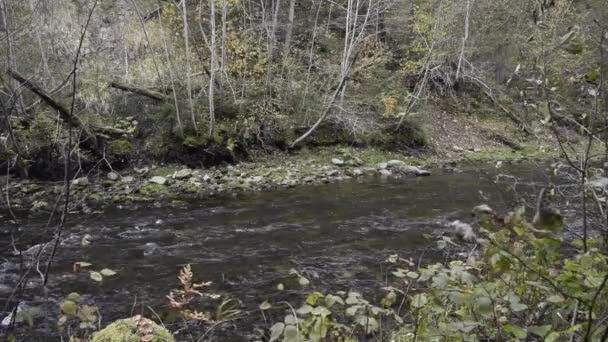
(337, 235)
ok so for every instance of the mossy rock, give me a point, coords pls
(152, 190)
(120, 148)
(133, 329)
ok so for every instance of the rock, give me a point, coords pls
(83, 181)
(413, 170)
(158, 180)
(476, 150)
(308, 179)
(482, 209)
(182, 174)
(113, 176)
(142, 171)
(382, 166)
(333, 173)
(206, 178)
(337, 162)
(457, 148)
(128, 179)
(357, 172)
(394, 163)
(256, 179)
(463, 231)
(385, 172)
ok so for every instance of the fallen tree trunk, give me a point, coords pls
(140, 91)
(90, 141)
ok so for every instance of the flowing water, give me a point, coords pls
(335, 234)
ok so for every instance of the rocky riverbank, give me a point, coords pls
(173, 185)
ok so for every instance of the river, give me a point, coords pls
(335, 234)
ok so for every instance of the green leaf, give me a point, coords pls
(352, 310)
(484, 305)
(330, 300)
(555, 299)
(399, 273)
(313, 298)
(465, 327)
(321, 311)
(96, 276)
(539, 330)
(290, 320)
(516, 331)
(517, 307)
(276, 331)
(68, 307)
(265, 306)
(74, 297)
(412, 275)
(106, 272)
(552, 337)
(419, 301)
(304, 310)
(291, 334)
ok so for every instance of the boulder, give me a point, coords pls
(394, 163)
(412, 170)
(337, 162)
(463, 231)
(385, 172)
(182, 174)
(82, 181)
(482, 209)
(158, 180)
(113, 176)
(382, 166)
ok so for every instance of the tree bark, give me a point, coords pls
(140, 91)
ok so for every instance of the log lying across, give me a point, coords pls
(140, 91)
(90, 141)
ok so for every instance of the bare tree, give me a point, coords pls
(188, 64)
(464, 38)
(355, 33)
(178, 119)
(213, 68)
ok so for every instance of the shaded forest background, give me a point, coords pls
(201, 82)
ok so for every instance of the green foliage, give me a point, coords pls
(520, 288)
(78, 318)
(332, 317)
(120, 148)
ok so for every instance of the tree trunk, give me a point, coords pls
(213, 68)
(188, 64)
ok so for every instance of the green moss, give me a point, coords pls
(194, 141)
(126, 330)
(120, 148)
(152, 190)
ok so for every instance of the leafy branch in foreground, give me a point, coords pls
(524, 285)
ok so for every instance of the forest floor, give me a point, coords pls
(452, 142)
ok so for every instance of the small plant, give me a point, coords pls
(184, 299)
